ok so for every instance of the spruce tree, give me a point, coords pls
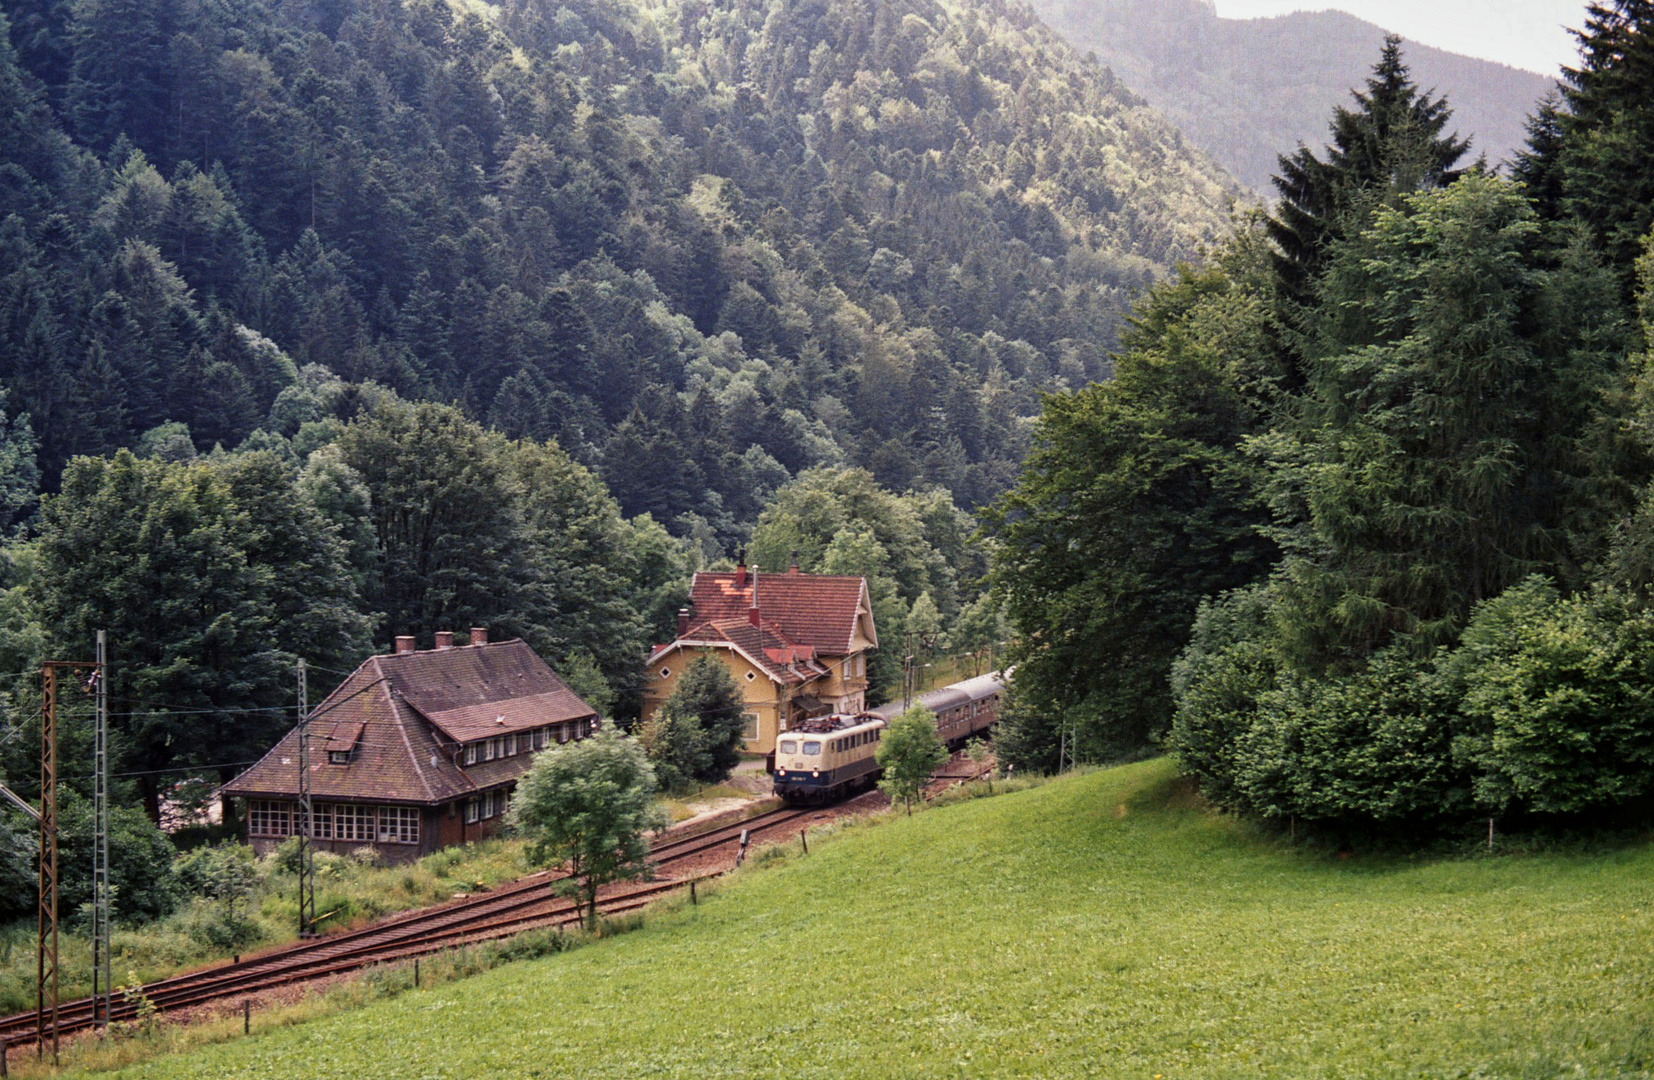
(1391, 143)
(1608, 132)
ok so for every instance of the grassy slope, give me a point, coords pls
(1100, 926)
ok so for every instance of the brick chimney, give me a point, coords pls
(683, 622)
(404, 643)
(445, 639)
(793, 569)
(479, 635)
(752, 613)
(741, 570)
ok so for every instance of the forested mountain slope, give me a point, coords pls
(702, 245)
(1245, 90)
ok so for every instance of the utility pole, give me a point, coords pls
(46, 980)
(101, 913)
(305, 818)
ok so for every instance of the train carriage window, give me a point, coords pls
(789, 746)
(812, 748)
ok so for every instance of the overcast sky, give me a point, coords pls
(1528, 34)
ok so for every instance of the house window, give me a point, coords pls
(510, 747)
(749, 726)
(539, 738)
(353, 823)
(666, 673)
(322, 825)
(471, 810)
(491, 750)
(751, 675)
(398, 825)
(470, 753)
(268, 818)
(338, 757)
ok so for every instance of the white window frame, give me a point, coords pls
(471, 753)
(398, 825)
(269, 817)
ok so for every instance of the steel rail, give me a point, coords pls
(498, 914)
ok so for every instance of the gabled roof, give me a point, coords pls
(822, 610)
(765, 647)
(396, 710)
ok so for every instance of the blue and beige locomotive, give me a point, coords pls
(828, 757)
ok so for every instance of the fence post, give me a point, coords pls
(416, 973)
(246, 1016)
(804, 838)
(693, 899)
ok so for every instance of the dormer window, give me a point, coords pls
(341, 743)
(470, 753)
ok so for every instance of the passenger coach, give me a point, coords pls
(963, 709)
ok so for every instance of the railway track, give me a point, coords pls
(529, 903)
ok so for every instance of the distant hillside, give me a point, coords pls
(1245, 90)
(703, 245)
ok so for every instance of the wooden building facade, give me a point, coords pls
(417, 749)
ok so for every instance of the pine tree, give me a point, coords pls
(1608, 131)
(1389, 144)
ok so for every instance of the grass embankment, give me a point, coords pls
(1104, 925)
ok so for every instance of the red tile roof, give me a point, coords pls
(810, 609)
(403, 713)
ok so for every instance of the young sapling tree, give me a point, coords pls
(588, 805)
(909, 752)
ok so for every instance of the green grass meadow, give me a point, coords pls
(1103, 925)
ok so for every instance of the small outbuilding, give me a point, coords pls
(417, 749)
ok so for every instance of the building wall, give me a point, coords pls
(434, 832)
(761, 697)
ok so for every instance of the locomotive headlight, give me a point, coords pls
(815, 772)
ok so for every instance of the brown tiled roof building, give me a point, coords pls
(796, 643)
(417, 749)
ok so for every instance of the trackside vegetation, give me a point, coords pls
(1106, 924)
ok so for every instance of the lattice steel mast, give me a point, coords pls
(305, 818)
(101, 913)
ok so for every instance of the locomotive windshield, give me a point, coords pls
(812, 748)
(789, 746)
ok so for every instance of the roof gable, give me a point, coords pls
(819, 610)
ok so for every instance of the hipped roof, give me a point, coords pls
(394, 709)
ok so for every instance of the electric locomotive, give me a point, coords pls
(827, 757)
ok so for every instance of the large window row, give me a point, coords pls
(348, 822)
(526, 742)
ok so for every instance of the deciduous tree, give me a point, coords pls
(588, 805)
(909, 752)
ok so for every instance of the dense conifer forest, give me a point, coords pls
(323, 321)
